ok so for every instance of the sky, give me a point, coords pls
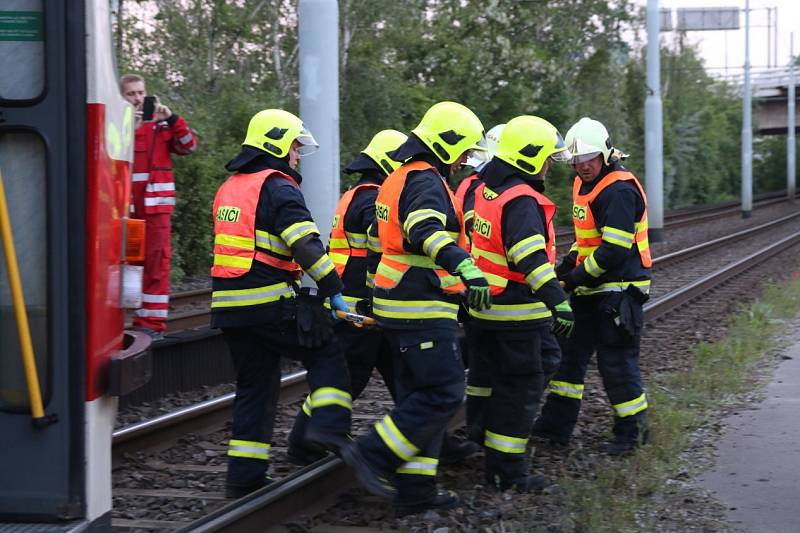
(721, 48)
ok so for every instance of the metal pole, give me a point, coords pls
(791, 145)
(653, 136)
(775, 38)
(318, 30)
(747, 124)
(769, 37)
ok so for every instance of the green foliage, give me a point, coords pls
(217, 62)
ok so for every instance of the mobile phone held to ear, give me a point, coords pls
(149, 108)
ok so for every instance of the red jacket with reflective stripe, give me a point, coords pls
(152, 163)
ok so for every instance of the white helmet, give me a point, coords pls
(492, 139)
(587, 139)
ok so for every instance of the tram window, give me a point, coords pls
(23, 166)
(21, 49)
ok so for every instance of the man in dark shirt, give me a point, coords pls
(608, 272)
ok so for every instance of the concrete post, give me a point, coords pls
(747, 124)
(318, 32)
(653, 137)
(791, 145)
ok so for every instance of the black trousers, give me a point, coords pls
(256, 353)
(479, 379)
(429, 376)
(617, 360)
(508, 399)
(364, 350)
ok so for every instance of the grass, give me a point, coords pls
(616, 494)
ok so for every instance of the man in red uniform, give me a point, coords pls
(154, 196)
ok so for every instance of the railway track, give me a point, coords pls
(273, 504)
(190, 309)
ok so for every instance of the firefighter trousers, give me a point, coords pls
(365, 350)
(429, 376)
(256, 353)
(617, 361)
(155, 278)
(513, 384)
(479, 379)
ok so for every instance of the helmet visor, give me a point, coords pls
(583, 158)
(479, 153)
(308, 145)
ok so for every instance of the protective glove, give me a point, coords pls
(364, 306)
(563, 320)
(314, 325)
(567, 282)
(338, 304)
(479, 296)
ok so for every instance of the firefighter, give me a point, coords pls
(479, 377)
(513, 244)
(263, 236)
(365, 349)
(608, 272)
(423, 269)
(154, 197)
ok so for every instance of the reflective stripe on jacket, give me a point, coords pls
(342, 244)
(237, 241)
(588, 237)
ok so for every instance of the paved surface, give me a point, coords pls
(758, 469)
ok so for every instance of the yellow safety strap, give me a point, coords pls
(483, 392)
(20, 311)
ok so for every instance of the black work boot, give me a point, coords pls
(523, 484)
(327, 441)
(543, 432)
(624, 445)
(441, 500)
(305, 453)
(454, 450)
(371, 478)
(239, 491)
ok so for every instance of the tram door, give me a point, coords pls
(65, 149)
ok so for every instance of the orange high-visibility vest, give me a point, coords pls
(461, 196)
(395, 260)
(344, 245)
(236, 240)
(587, 236)
(487, 234)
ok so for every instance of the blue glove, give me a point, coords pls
(338, 304)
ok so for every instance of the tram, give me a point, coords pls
(65, 161)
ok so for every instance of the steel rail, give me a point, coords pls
(272, 504)
(159, 433)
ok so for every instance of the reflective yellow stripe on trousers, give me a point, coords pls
(631, 407)
(505, 443)
(395, 440)
(421, 466)
(249, 449)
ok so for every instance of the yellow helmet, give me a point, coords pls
(450, 129)
(382, 143)
(274, 131)
(527, 141)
